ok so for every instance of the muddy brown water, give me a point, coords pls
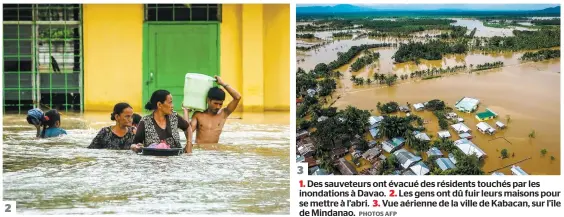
(529, 92)
(247, 173)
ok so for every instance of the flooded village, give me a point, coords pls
(424, 95)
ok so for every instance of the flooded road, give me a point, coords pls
(247, 173)
(529, 93)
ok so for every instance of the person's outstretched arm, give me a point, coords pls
(236, 96)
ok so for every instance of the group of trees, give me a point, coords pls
(436, 71)
(455, 32)
(487, 66)
(540, 55)
(306, 36)
(388, 108)
(313, 47)
(405, 25)
(367, 59)
(342, 34)
(395, 126)
(344, 58)
(433, 50)
(555, 21)
(522, 40)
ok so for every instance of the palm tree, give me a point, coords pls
(532, 134)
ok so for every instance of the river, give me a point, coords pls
(247, 173)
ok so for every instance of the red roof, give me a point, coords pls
(311, 162)
(299, 100)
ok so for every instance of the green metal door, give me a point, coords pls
(172, 50)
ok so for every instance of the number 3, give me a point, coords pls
(301, 170)
(8, 208)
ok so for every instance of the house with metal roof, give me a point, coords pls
(452, 158)
(499, 125)
(393, 144)
(418, 106)
(516, 170)
(404, 108)
(469, 148)
(465, 136)
(372, 143)
(434, 151)
(375, 121)
(406, 158)
(444, 134)
(485, 128)
(374, 132)
(445, 164)
(345, 167)
(421, 136)
(371, 154)
(408, 173)
(306, 150)
(300, 158)
(467, 104)
(497, 174)
(487, 115)
(419, 168)
(460, 128)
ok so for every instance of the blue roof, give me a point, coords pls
(398, 141)
(434, 151)
(445, 163)
(300, 158)
(320, 172)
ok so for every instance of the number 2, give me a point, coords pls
(301, 170)
(8, 208)
(392, 193)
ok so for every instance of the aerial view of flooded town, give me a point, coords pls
(428, 90)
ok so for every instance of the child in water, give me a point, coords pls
(35, 117)
(51, 125)
(136, 120)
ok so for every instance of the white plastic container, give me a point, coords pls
(196, 87)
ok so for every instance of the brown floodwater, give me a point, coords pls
(484, 31)
(529, 93)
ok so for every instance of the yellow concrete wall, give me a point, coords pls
(277, 57)
(260, 63)
(254, 55)
(230, 50)
(113, 61)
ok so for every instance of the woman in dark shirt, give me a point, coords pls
(161, 124)
(119, 136)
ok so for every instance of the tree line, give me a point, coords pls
(540, 55)
(433, 50)
(306, 36)
(367, 59)
(487, 66)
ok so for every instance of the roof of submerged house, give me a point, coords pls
(487, 114)
(467, 103)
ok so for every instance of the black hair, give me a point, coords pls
(136, 118)
(118, 109)
(216, 93)
(158, 96)
(49, 120)
(33, 120)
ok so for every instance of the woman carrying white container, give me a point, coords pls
(160, 126)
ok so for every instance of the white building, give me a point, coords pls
(485, 128)
(467, 104)
(460, 128)
(469, 148)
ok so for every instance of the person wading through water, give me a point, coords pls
(162, 124)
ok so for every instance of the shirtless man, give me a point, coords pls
(209, 124)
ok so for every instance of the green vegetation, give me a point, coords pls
(523, 40)
(313, 47)
(405, 26)
(433, 50)
(552, 158)
(389, 107)
(555, 21)
(394, 126)
(391, 79)
(346, 57)
(342, 34)
(504, 153)
(543, 152)
(532, 134)
(306, 36)
(507, 119)
(365, 60)
(327, 86)
(471, 35)
(434, 72)
(540, 55)
(435, 105)
(487, 66)
(456, 32)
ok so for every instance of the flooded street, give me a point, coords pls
(529, 92)
(248, 173)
